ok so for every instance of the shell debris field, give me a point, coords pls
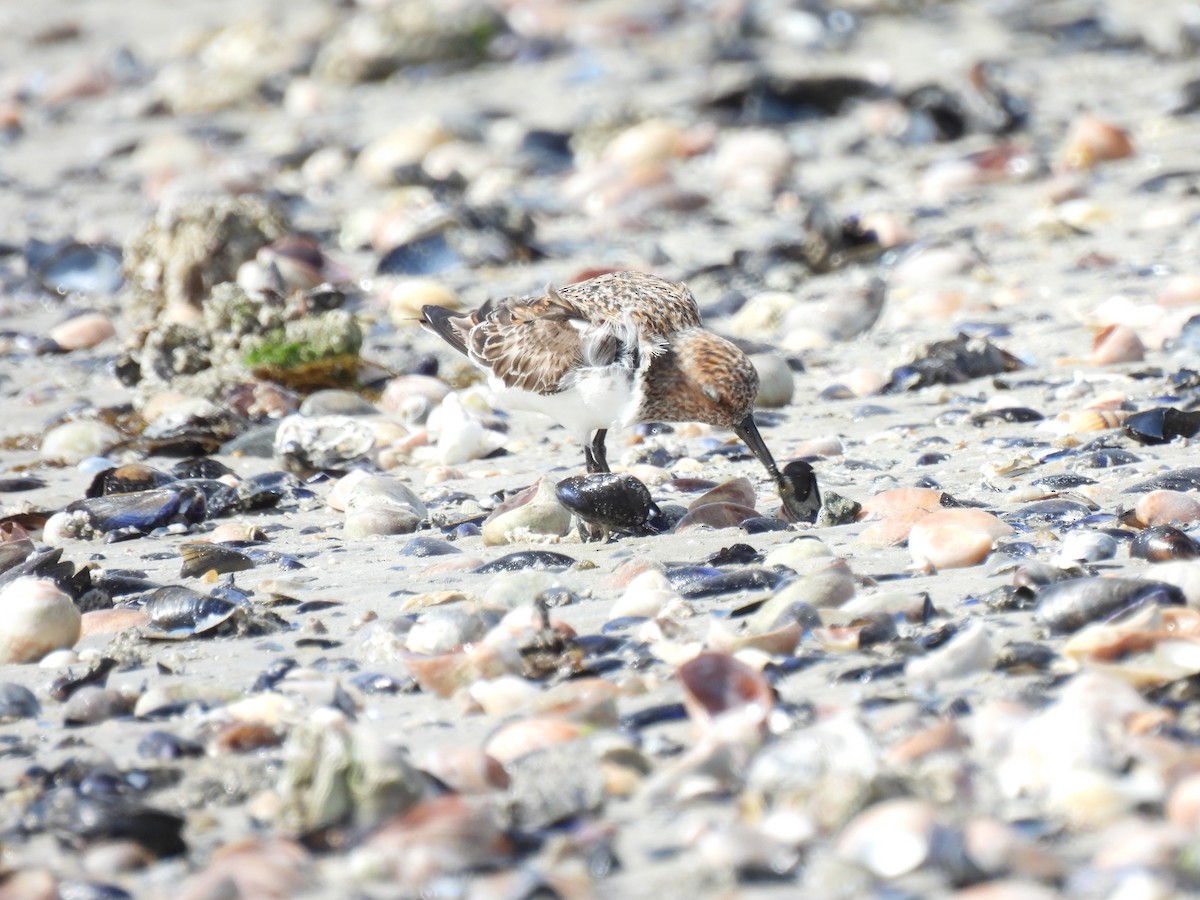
(300, 599)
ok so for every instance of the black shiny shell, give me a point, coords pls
(177, 612)
(143, 510)
(606, 499)
(1161, 543)
(1067, 606)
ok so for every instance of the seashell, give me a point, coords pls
(304, 443)
(1167, 507)
(776, 383)
(405, 145)
(1183, 804)
(892, 838)
(458, 160)
(97, 817)
(1117, 344)
(142, 511)
(801, 498)
(465, 770)
(300, 263)
(1093, 140)
(460, 436)
(82, 332)
(74, 441)
(71, 267)
(1055, 513)
(780, 641)
(1150, 646)
(752, 164)
(828, 585)
(1162, 543)
(439, 837)
(1085, 545)
(1183, 574)
(937, 738)
(797, 553)
(237, 533)
(92, 703)
(526, 559)
(270, 867)
(717, 583)
(899, 509)
(17, 702)
(555, 784)
(763, 313)
(1093, 419)
(654, 141)
(504, 695)
(716, 515)
(177, 613)
(127, 479)
(14, 552)
(644, 597)
(445, 629)
(406, 297)
(932, 266)
(738, 491)
(445, 673)
(967, 653)
(113, 621)
(201, 558)
(827, 768)
(430, 254)
(423, 546)
(516, 739)
(725, 698)
(404, 394)
(607, 500)
(995, 847)
(377, 504)
(35, 618)
(334, 402)
(954, 538)
(1067, 606)
(534, 512)
(1180, 290)
(773, 846)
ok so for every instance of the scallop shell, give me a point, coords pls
(1093, 140)
(1093, 419)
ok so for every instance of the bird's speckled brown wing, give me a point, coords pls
(657, 307)
(535, 343)
(530, 344)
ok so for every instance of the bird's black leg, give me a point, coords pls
(599, 455)
(589, 457)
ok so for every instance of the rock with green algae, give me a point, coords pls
(378, 40)
(303, 341)
(190, 246)
(242, 336)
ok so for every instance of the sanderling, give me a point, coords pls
(612, 351)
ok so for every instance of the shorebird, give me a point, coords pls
(615, 350)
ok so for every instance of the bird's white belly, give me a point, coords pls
(600, 398)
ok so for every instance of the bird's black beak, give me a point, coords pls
(797, 484)
(748, 432)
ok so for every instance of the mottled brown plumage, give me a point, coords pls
(613, 350)
(699, 377)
